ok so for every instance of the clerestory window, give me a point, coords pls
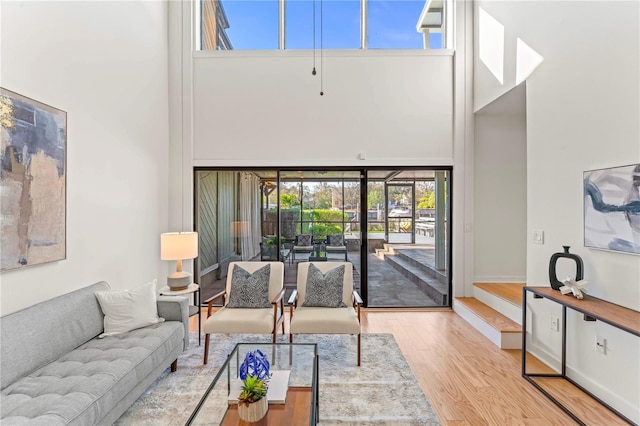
(326, 24)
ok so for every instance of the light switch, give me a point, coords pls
(538, 237)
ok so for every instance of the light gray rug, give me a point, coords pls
(382, 391)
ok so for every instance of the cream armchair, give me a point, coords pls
(247, 320)
(303, 244)
(325, 320)
(336, 244)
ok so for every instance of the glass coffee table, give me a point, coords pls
(293, 388)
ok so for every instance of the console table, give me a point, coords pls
(593, 309)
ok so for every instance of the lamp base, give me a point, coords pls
(179, 281)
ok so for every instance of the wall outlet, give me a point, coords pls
(601, 345)
(538, 237)
(555, 323)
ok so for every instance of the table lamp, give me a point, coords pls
(177, 246)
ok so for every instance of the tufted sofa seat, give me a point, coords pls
(86, 384)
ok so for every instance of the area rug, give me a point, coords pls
(382, 391)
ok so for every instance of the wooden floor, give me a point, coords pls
(468, 379)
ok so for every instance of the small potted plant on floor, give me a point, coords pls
(252, 402)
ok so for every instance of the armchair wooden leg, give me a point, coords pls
(174, 366)
(358, 350)
(206, 348)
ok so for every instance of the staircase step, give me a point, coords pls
(511, 292)
(436, 290)
(421, 259)
(492, 317)
(503, 332)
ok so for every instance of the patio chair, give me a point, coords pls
(303, 244)
(252, 302)
(325, 301)
(336, 244)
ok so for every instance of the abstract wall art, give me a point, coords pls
(612, 209)
(32, 182)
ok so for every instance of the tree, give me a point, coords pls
(375, 195)
(288, 201)
(428, 200)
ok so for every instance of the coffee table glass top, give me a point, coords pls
(293, 387)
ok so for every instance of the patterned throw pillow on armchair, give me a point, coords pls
(336, 240)
(304, 240)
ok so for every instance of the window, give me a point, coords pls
(248, 24)
(392, 24)
(340, 24)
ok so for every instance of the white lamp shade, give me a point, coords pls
(178, 245)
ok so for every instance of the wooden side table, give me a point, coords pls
(193, 309)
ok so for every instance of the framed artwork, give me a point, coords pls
(612, 209)
(32, 182)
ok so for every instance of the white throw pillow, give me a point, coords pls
(126, 310)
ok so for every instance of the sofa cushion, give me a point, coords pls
(250, 290)
(324, 289)
(325, 321)
(85, 384)
(40, 334)
(126, 310)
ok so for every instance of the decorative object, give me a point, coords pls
(573, 286)
(256, 364)
(252, 401)
(178, 246)
(612, 209)
(553, 277)
(32, 181)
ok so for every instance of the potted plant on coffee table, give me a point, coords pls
(252, 401)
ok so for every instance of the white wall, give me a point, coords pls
(105, 64)
(500, 190)
(582, 113)
(396, 107)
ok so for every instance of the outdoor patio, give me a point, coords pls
(389, 286)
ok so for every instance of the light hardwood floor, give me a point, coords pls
(468, 379)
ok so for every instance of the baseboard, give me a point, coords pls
(625, 407)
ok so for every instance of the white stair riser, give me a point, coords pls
(506, 308)
(501, 340)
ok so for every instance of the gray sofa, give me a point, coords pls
(54, 369)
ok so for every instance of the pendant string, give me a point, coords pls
(321, 62)
(313, 72)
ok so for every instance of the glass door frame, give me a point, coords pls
(362, 211)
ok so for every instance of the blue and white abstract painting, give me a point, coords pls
(612, 209)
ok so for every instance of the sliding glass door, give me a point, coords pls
(407, 238)
(391, 225)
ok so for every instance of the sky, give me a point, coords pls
(392, 24)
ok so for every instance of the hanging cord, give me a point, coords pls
(313, 72)
(321, 70)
